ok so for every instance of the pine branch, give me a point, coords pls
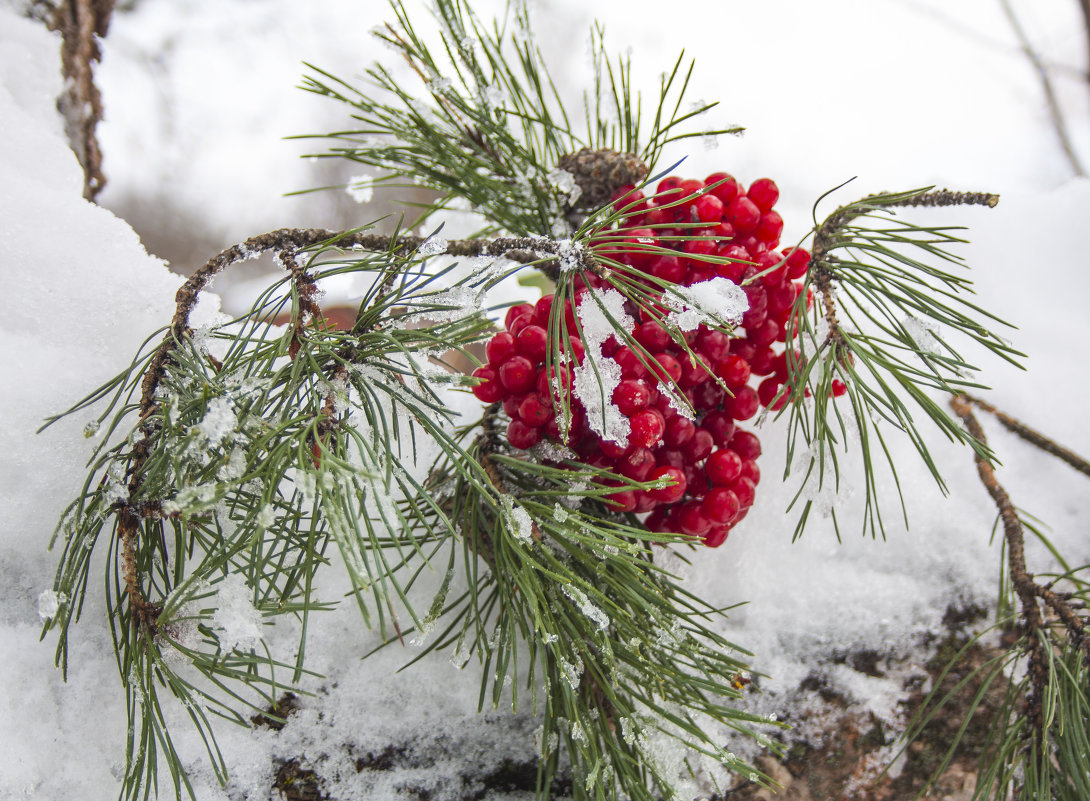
(883, 290)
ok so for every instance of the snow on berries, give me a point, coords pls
(626, 413)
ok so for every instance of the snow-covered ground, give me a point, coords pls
(198, 97)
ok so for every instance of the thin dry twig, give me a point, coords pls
(82, 24)
(1054, 110)
(1019, 428)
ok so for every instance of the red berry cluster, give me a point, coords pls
(709, 463)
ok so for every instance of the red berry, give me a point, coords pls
(767, 391)
(720, 425)
(743, 214)
(727, 189)
(535, 412)
(577, 349)
(631, 395)
(708, 395)
(764, 193)
(517, 374)
(631, 366)
(722, 467)
(637, 464)
(734, 370)
(743, 405)
(709, 209)
(770, 227)
(515, 312)
(745, 490)
(652, 337)
(542, 310)
(667, 368)
(668, 269)
(751, 471)
(692, 520)
(489, 390)
(532, 342)
(521, 435)
(720, 505)
(797, 262)
(679, 430)
(622, 500)
(714, 345)
(511, 405)
(745, 444)
(520, 322)
(763, 361)
(647, 427)
(698, 447)
(716, 536)
(614, 450)
(671, 492)
(499, 349)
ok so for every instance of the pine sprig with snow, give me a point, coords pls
(891, 307)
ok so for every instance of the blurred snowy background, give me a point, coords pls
(199, 97)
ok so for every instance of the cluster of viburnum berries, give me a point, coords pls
(709, 462)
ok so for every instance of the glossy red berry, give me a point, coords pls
(764, 193)
(673, 491)
(647, 427)
(489, 390)
(517, 374)
(521, 435)
(516, 311)
(722, 467)
(720, 505)
(745, 444)
(692, 520)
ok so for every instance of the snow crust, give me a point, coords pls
(81, 294)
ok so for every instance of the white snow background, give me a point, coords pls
(198, 95)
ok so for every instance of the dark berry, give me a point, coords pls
(679, 430)
(720, 425)
(521, 435)
(698, 447)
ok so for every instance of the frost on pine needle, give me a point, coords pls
(601, 313)
(518, 520)
(580, 599)
(49, 603)
(715, 302)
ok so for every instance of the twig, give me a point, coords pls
(293, 240)
(1030, 435)
(81, 24)
(1023, 582)
(1054, 110)
(1025, 587)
